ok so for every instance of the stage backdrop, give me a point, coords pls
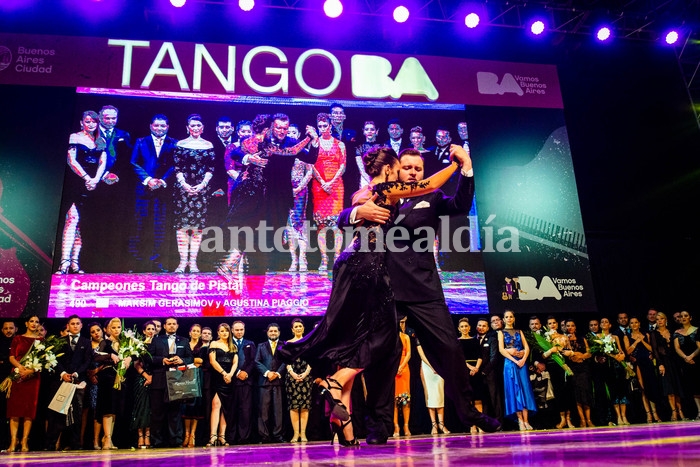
(522, 245)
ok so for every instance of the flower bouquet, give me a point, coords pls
(552, 340)
(606, 345)
(40, 356)
(403, 399)
(131, 344)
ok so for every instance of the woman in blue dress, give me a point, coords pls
(516, 381)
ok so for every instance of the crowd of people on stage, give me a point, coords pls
(645, 374)
(162, 192)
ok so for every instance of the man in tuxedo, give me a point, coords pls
(463, 132)
(71, 367)
(279, 198)
(240, 431)
(622, 329)
(270, 368)
(419, 295)
(115, 198)
(396, 141)
(492, 368)
(167, 351)
(651, 320)
(152, 160)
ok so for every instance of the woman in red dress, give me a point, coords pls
(327, 187)
(24, 394)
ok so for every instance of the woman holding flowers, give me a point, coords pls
(564, 399)
(685, 341)
(109, 398)
(606, 348)
(23, 395)
(639, 351)
(141, 413)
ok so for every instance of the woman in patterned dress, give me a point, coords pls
(298, 388)
(194, 167)
(327, 187)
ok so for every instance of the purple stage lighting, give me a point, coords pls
(177, 3)
(471, 20)
(332, 8)
(400, 14)
(603, 34)
(672, 37)
(246, 5)
(537, 27)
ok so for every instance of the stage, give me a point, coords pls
(675, 444)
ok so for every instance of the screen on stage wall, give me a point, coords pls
(180, 221)
(135, 244)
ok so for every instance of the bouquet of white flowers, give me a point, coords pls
(131, 344)
(40, 356)
(551, 340)
(608, 346)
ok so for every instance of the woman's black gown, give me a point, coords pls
(218, 386)
(360, 321)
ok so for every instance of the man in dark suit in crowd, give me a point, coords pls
(152, 161)
(492, 368)
(115, 198)
(418, 293)
(240, 431)
(396, 140)
(71, 367)
(622, 329)
(270, 368)
(9, 328)
(167, 351)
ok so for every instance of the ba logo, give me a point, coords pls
(370, 78)
(5, 57)
(547, 288)
(488, 84)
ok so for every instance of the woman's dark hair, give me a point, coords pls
(323, 117)
(376, 158)
(196, 117)
(297, 320)
(260, 122)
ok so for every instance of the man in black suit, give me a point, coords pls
(493, 368)
(71, 367)
(152, 160)
(622, 329)
(396, 140)
(116, 198)
(167, 351)
(418, 294)
(270, 368)
(240, 431)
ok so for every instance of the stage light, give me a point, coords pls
(603, 34)
(471, 20)
(246, 5)
(332, 8)
(537, 27)
(177, 3)
(400, 14)
(672, 37)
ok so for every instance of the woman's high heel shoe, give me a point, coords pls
(655, 417)
(443, 429)
(338, 409)
(213, 441)
(186, 440)
(338, 430)
(568, 423)
(674, 415)
(222, 441)
(406, 431)
(107, 443)
(434, 430)
(64, 267)
(75, 268)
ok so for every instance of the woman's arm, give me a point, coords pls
(404, 361)
(396, 190)
(502, 348)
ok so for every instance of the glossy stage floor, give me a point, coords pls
(676, 444)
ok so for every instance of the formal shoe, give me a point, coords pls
(338, 430)
(13, 446)
(302, 437)
(655, 417)
(295, 438)
(487, 424)
(649, 419)
(324, 264)
(674, 415)
(406, 431)
(561, 425)
(338, 409)
(590, 424)
(191, 443)
(521, 425)
(443, 429)
(213, 441)
(434, 429)
(528, 427)
(473, 430)
(222, 441)
(186, 440)
(625, 421)
(75, 268)
(374, 439)
(194, 268)
(141, 443)
(294, 267)
(147, 441)
(619, 421)
(568, 423)
(180, 268)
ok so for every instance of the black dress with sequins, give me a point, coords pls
(360, 321)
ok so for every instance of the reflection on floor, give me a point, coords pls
(676, 444)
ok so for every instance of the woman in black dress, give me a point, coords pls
(87, 160)
(472, 358)
(194, 167)
(639, 351)
(223, 356)
(298, 388)
(685, 341)
(360, 321)
(194, 408)
(141, 413)
(667, 365)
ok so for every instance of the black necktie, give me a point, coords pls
(73, 342)
(238, 344)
